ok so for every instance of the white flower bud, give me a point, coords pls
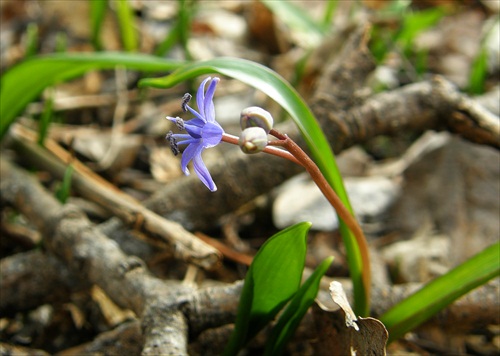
(254, 116)
(253, 140)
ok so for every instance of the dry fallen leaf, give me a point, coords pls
(342, 333)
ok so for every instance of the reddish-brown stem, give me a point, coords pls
(294, 153)
(269, 149)
(315, 173)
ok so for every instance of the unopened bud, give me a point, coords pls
(253, 140)
(256, 117)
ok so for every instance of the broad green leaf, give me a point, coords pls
(295, 311)
(272, 84)
(127, 26)
(441, 292)
(23, 83)
(272, 279)
(97, 14)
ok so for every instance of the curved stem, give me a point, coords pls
(294, 153)
(334, 200)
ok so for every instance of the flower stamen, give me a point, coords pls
(185, 101)
(173, 143)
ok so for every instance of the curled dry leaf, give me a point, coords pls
(339, 298)
(347, 334)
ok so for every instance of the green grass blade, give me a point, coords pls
(296, 18)
(46, 119)
(295, 311)
(32, 39)
(272, 84)
(478, 73)
(186, 8)
(23, 83)
(97, 14)
(416, 22)
(169, 41)
(326, 22)
(61, 42)
(64, 190)
(127, 27)
(272, 279)
(441, 292)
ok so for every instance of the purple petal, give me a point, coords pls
(189, 153)
(179, 137)
(196, 114)
(209, 110)
(212, 134)
(203, 173)
(200, 96)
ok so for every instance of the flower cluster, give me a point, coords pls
(202, 132)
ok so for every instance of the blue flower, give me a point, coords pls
(202, 132)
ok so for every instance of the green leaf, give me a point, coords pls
(272, 279)
(272, 84)
(295, 311)
(23, 83)
(127, 26)
(441, 292)
(97, 14)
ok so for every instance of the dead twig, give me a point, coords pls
(55, 159)
(96, 259)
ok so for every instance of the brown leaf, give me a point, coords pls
(342, 333)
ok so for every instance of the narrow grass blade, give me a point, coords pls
(272, 279)
(295, 311)
(127, 26)
(97, 14)
(32, 39)
(478, 73)
(169, 41)
(64, 190)
(272, 84)
(46, 118)
(442, 291)
(23, 83)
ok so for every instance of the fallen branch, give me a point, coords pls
(55, 159)
(167, 309)
(30, 279)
